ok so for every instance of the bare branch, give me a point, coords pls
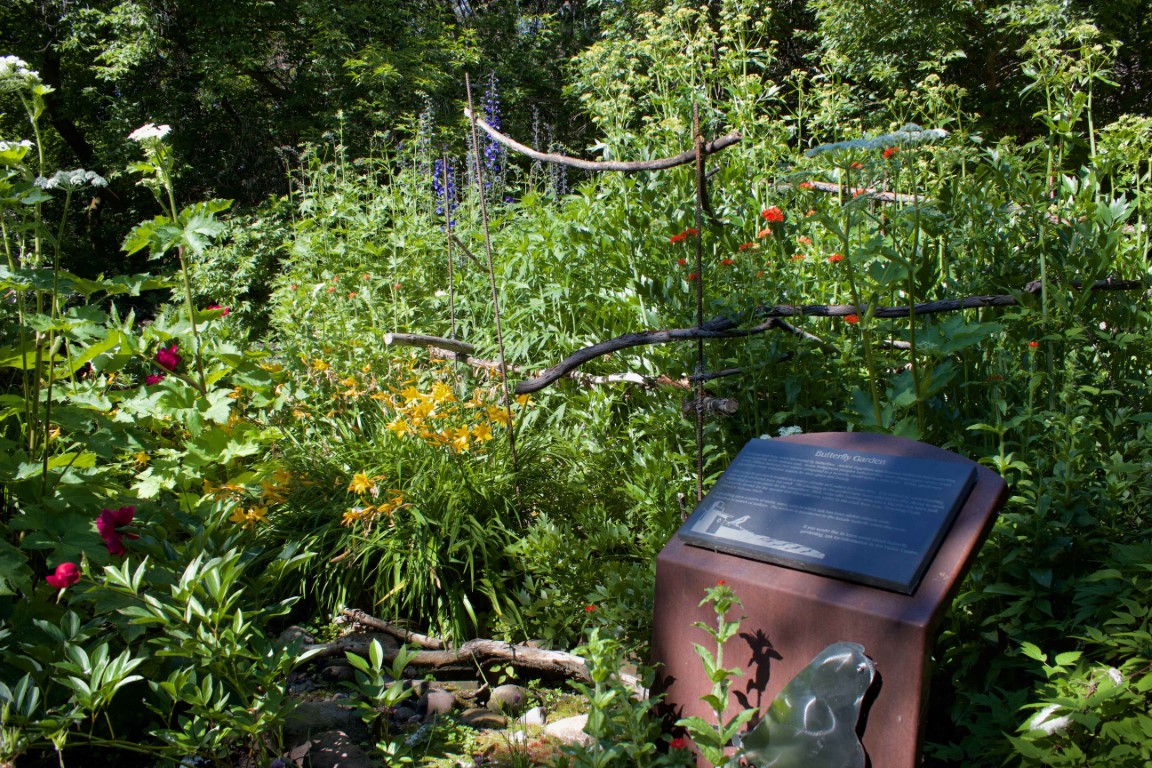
(709, 406)
(931, 307)
(721, 328)
(418, 340)
(403, 635)
(683, 158)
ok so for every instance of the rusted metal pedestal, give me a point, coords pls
(792, 616)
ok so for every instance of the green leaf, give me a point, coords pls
(1033, 652)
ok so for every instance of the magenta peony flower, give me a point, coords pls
(65, 576)
(167, 358)
(107, 523)
(153, 378)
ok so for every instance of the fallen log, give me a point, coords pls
(437, 657)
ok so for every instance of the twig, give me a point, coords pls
(482, 196)
(683, 158)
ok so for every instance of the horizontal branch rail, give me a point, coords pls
(623, 166)
(723, 328)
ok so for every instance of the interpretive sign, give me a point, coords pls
(870, 518)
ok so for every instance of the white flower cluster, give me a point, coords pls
(71, 180)
(150, 131)
(5, 146)
(908, 134)
(15, 74)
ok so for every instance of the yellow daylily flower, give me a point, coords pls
(482, 432)
(271, 493)
(361, 483)
(442, 393)
(460, 439)
(498, 415)
(398, 427)
(421, 411)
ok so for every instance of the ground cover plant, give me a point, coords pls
(251, 432)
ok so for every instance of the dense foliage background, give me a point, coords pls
(206, 432)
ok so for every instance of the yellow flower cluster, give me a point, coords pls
(362, 485)
(429, 416)
(250, 501)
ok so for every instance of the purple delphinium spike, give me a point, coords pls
(444, 194)
(493, 152)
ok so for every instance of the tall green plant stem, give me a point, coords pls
(169, 189)
(913, 262)
(865, 319)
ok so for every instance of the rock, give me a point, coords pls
(509, 699)
(477, 717)
(339, 672)
(294, 633)
(312, 717)
(534, 716)
(570, 730)
(404, 714)
(435, 702)
(335, 749)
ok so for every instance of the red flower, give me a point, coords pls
(292, 287)
(331, 289)
(153, 378)
(798, 257)
(890, 151)
(811, 212)
(764, 232)
(693, 275)
(1034, 344)
(746, 246)
(835, 258)
(396, 287)
(225, 311)
(681, 262)
(856, 165)
(804, 240)
(107, 523)
(773, 214)
(589, 609)
(678, 743)
(167, 358)
(65, 576)
(727, 262)
(692, 231)
(351, 294)
(678, 238)
(721, 583)
(852, 319)
(807, 185)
